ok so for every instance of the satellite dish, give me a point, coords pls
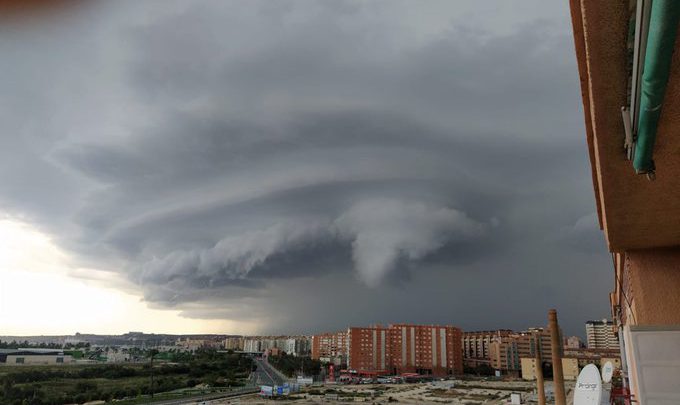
(607, 372)
(588, 390)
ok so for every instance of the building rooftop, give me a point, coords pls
(600, 322)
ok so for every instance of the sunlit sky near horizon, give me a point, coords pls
(38, 297)
(295, 166)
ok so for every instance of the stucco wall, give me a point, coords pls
(570, 368)
(655, 284)
(634, 212)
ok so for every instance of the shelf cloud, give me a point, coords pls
(259, 160)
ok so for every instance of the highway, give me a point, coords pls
(266, 375)
(209, 397)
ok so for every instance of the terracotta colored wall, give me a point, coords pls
(316, 347)
(655, 284)
(362, 349)
(634, 212)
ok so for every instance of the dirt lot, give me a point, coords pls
(462, 393)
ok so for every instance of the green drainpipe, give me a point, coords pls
(663, 24)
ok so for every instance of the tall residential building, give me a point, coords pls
(303, 346)
(368, 349)
(292, 345)
(507, 350)
(192, 344)
(600, 335)
(502, 349)
(528, 342)
(330, 347)
(251, 345)
(504, 354)
(233, 343)
(574, 342)
(405, 348)
(476, 346)
(531, 339)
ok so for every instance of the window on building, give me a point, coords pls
(60, 359)
(20, 360)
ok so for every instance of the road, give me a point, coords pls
(210, 397)
(266, 375)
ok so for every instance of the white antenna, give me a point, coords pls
(588, 390)
(607, 372)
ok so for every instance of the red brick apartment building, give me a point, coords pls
(330, 347)
(401, 348)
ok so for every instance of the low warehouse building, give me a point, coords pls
(20, 356)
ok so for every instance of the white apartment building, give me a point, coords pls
(600, 335)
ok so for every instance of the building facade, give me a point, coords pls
(404, 348)
(628, 61)
(528, 368)
(291, 345)
(532, 339)
(570, 368)
(600, 335)
(573, 362)
(192, 345)
(476, 346)
(330, 347)
(573, 342)
(28, 356)
(233, 343)
(529, 344)
(367, 349)
(503, 349)
(504, 355)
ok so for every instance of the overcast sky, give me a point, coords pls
(308, 165)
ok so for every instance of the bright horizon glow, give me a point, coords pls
(38, 297)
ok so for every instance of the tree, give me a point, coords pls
(152, 353)
(484, 369)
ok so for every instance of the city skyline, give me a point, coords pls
(227, 167)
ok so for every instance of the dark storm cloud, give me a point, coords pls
(258, 160)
